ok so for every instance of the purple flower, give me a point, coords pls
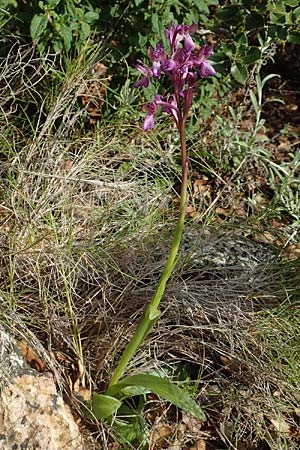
(184, 67)
(186, 32)
(157, 57)
(151, 109)
(170, 107)
(179, 33)
(205, 69)
(146, 71)
(167, 66)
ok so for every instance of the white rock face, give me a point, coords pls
(32, 414)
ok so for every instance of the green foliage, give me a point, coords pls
(284, 177)
(279, 338)
(245, 31)
(284, 180)
(131, 427)
(249, 29)
(104, 406)
(55, 25)
(62, 25)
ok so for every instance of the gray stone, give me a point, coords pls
(32, 414)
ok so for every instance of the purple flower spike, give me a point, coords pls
(185, 66)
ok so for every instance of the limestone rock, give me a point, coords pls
(32, 414)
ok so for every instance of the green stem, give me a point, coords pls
(151, 312)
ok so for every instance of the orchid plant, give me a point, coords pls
(186, 64)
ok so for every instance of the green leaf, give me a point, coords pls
(53, 3)
(242, 40)
(296, 11)
(155, 23)
(67, 36)
(132, 391)
(254, 101)
(71, 9)
(162, 387)
(142, 39)
(294, 37)
(57, 46)
(153, 313)
(254, 21)
(41, 47)
(229, 14)
(131, 426)
(229, 49)
(239, 73)
(103, 406)
(269, 77)
(38, 26)
(85, 30)
(280, 7)
(91, 16)
(252, 55)
(274, 100)
(201, 5)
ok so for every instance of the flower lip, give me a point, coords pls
(206, 70)
(151, 109)
(149, 122)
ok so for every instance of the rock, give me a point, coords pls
(227, 250)
(32, 414)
